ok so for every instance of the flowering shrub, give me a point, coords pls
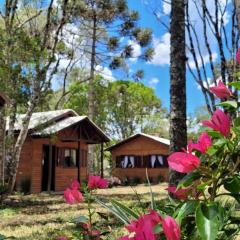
(200, 210)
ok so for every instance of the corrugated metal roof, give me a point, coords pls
(51, 122)
(158, 139)
(40, 118)
(58, 126)
(155, 138)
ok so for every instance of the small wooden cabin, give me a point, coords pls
(133, 155)
(56, 150)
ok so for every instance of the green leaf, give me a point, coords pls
(214, 134)
(188, 179)
(153, 204)
(235, 84)
(80, 219)
(115, 211)
(237, 122)
(232, 184)
(211, 151)
(158, 229)
(125, 209)
(186, 209)
(207, 220)
(233, 104)
(220, 142)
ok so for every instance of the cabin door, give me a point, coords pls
(46, 166)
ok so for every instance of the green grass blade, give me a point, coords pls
(153, 204)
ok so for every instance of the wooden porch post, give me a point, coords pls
(79, 154)
(50, 167)
(2, 144)
(102, 160)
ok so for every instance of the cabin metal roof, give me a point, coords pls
(155, 138)
(51, 122)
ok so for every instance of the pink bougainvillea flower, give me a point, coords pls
(95, 182)
(143, 228)
(220, 122)
(75, 185)
(72, 196)
(171, 228)
(183, 162)
(204, 142)
(221, 91)
(238, 56)
(181, 194)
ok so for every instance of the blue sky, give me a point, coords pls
(157, 72)
(160, 70)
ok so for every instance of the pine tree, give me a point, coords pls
(106, 22)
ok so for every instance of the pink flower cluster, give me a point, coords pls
(221, 91)
(143, 228)
(96, 182)
(186, 162)
(72, 194)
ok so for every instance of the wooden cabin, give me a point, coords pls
(56, 150)
(133, 155)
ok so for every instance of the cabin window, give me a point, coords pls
(157, 161)
(126, 161)
(67, 157)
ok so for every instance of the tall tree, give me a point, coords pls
(123, 107)
(178, 127)
(105, 22)
(29, 41)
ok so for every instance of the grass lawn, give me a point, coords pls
(44, 216)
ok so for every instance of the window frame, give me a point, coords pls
(60, 161)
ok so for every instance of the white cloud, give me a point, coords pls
(209, 83)
(137, 51)
(161, 48)
(166, 7)
(153, 82)
(206, 84)
(105, 72)
(199, 60)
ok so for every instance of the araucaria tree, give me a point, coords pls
(178, 128)
(109, 29)
(29, 40)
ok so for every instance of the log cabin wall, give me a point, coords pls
(140, 146)
(30, 166)
(24, 172)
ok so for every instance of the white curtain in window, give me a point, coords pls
(125, 163)
(132, 161)
(153, 160)
(160, 160)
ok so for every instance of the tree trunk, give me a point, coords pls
(91, 92)
(18, 145)
(178, 127)
(2, 145)
(237, 3)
